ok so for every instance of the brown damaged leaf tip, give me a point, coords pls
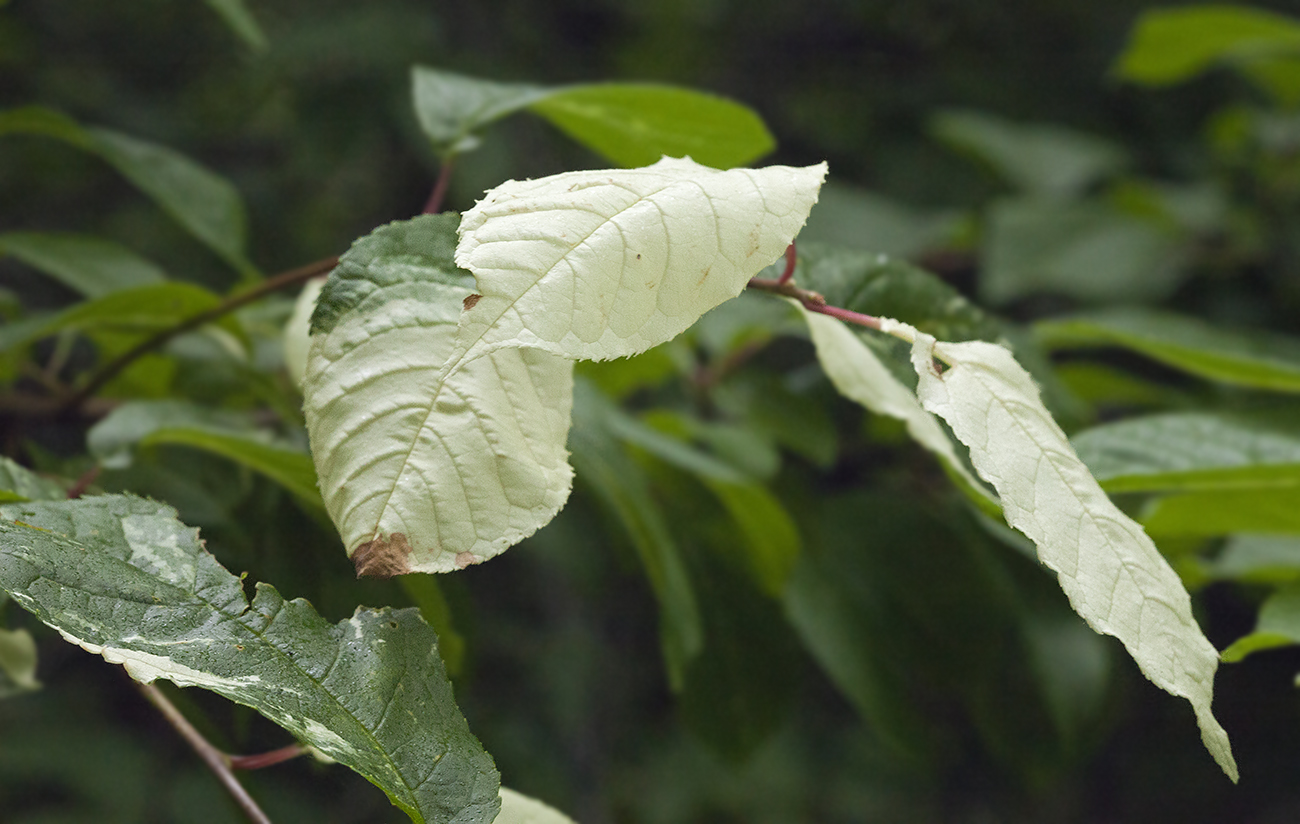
(471, 301)
(464, 559)
(383, 558)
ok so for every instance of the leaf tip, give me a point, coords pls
(383, 557)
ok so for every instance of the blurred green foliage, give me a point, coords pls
(758, 606)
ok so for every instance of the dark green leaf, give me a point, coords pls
(1088, 251)
(206, 205)
(18, 483)
(1193, 451)
(621, 485)
(90, 265)
(858, 219)
(1034, 158)
(878, 285)
(771, 540)
(224, 433)
(1172, 45)
(1243, 358)
(452, 107)
(121, 577)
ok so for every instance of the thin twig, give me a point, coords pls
(83, 483)
(791, 260)
(265, 759)
(230, 304)
(434, 204)
(214, 758)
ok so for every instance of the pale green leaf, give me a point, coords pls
(1265, 559)
(861, 377)
(17, 662)
(122, 578)
(1239, 357)
(17, 483)
(206, 205)
(90, 265)
(1173, 45)
(517, 808)
(604, 264)
(451, 107)
(427, 466)
(1267, 509)
(1112, 572)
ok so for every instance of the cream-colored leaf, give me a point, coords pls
(604, 264)
(1110, 569)
(859, 376)
(517, 808)
(421, 469)
(296, 339)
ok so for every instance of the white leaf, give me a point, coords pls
(296, 340)
(1110, 569)
(421, 469)
(605, 264)
(859, 376)
(517, 808)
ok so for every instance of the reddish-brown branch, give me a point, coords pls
(434, 204)
(265, 759)
(791, 259)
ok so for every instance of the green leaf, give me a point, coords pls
(1112, 572)
(1193, 451)
(1089, 250)
(622, 486)
(1264, 559)
(631, 124)
(17, 663)
(770, 538)
(1223, 511)
(1172, 45)
(90, 265)
(423, 467)
(230, 435)
(1241, 358)
(206, 205)
(1278, 626)
(881, 286)
(122, 578)
(1036, 158)
(636, 124)
(240, 21)
(17, 483)
(127, 313)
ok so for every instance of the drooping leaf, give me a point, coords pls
(1172, 45)
(17, 662)
(1278, 625)
(206, 205)
(122, 578)
(241, 21)
(18, 483)
(1193, 451)
(1035, 158)
(517, 808)
(1255, 359)
(221, 432)
(632, 124)
(623, 487)
(424, 467)
(1112, 572)
(604, 264)
(860, 376)
(92, 266)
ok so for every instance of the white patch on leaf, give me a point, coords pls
(147, 668)
(1112, 572)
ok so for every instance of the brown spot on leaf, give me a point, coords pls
(704, 275)
(383, 557)
(471, 301)
(464, 559)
